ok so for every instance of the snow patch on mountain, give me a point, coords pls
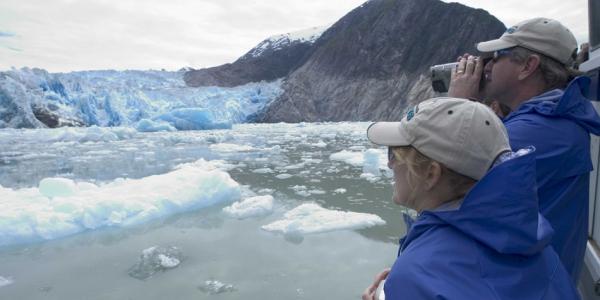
(279, 41)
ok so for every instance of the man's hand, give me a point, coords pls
(465, 79)
(370, 292)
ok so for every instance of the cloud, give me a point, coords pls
(67, 35)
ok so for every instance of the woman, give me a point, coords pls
(478, 234)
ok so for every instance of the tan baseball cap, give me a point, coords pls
(463, 135)
(542, 35)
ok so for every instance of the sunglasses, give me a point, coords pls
(391, 156)
(500, 53)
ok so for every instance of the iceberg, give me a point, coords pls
(60, 207)
(147, 125)
(310, 218)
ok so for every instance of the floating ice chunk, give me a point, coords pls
(263, 171)
(252, 207)
(4, 281)
(294, 167)
(88, 134)
(168, 262)
(311, 218)
(303, 193)
(370, 177)
(155, 259)
(320, 144)
(356, 148)
(194, 118)
(57, 187)
(371, 162)
(266, 191)
(349, 157)
(146, 125)
(316, 192)
(225, 147)
(29, 215)
(308, 160)
(274, 149)
(332, 170)
(328, 136)
(300, 190)
(213, 287)
(340, 191)
(283, 176)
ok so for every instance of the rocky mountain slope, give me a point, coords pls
(374, 62)
(271, 59)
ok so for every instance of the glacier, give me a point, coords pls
(145, 100)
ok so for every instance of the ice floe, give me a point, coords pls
(226, 147)
(311, 218)
(60, 206)
(251, 207)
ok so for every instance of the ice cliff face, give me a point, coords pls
(148, 100)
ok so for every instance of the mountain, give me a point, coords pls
(374, 62)
(370, 65)
(271, 59)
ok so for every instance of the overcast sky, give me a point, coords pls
(71, 35)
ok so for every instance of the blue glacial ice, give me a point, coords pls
(146, 100)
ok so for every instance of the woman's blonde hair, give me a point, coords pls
(417, 163)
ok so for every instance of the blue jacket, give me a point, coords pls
(495, 246)
(558, 125)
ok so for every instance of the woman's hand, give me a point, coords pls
(370, 292)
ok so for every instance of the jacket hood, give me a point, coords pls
(500, 211)
(569, 104)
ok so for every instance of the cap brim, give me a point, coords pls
(494, 45)
(387, 134)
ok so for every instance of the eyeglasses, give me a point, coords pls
(500, 53)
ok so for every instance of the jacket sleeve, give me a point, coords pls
(416, 280)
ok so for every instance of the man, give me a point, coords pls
(531, 73)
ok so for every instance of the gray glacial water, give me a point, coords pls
(220, 257)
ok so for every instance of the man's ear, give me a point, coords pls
(433, 175)
(531, 64)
